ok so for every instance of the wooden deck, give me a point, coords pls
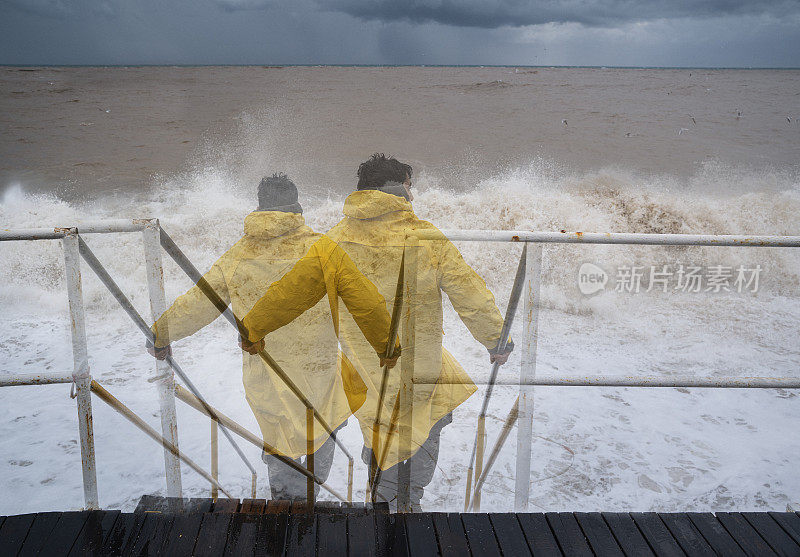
(259, 527)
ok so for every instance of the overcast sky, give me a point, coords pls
(737, 33)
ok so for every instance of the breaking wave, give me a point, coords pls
(203, 211)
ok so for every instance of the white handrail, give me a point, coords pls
(97, 227)
(610, 238)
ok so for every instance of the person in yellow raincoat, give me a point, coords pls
(275, 238)
(378, 219)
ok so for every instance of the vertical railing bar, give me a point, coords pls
(310, 458)
(350, 481)
(530, 337)
(165, 379)
(214, 458)
(480, 441)
(406, 393)
(374, 475)
(81, 374)
(511, 309)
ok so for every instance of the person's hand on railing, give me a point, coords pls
(158, 353)
(251, 347)
(496, 357)
(391, 361)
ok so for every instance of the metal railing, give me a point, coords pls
(522, 410)
(154, 237)
(527, 282)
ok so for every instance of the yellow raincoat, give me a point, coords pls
(373, 233)
(306, 348)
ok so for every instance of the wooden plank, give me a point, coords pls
(183, 534)
(780, 542)
(225, 505)
(198, 505)
(480, 534)
(150, 503)
(790, 522)
(42, 525)
(299, 507)
(328, 506)
(253, 506)
(119, 534)
(279, 534)
(400, 547)
(139, 540)
(354, 508)
(601, 540)
(97, 528)
(390, 538)
(244, 542)
(301, 534)
(160, 536)
(361, 535)
(510, 536)
(384, 534)
(627, 534)
(539, 535)
(450, 534)
(242, 535)
(13, 533)
(66, 531)
(265, 540)
(277, 507)
(657, 534)
(213, 534)
(156, 503)
(744, 534)
(568, 533)
(381, 507)
(686, 534)
(332, 535)
(716, 534)
(421, 534)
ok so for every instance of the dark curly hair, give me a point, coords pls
(380, 169)
(276, 190)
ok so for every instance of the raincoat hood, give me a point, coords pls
(264, 225)
(370, 204)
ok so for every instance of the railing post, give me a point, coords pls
(310, 457)
(530, 336)
(163, 372)
(214, 458)
(406, 392)
(81, 375)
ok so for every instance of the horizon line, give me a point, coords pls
(267, 66)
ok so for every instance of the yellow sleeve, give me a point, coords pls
(191, 311)
(297, 291)
(469, 295)
(363, 301)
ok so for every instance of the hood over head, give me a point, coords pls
(370, 204)
(271, 224)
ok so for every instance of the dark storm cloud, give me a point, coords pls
(60, 9)
(484, 32)
(517, 13)
(237, 5)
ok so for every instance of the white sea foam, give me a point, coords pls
(609, 449)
